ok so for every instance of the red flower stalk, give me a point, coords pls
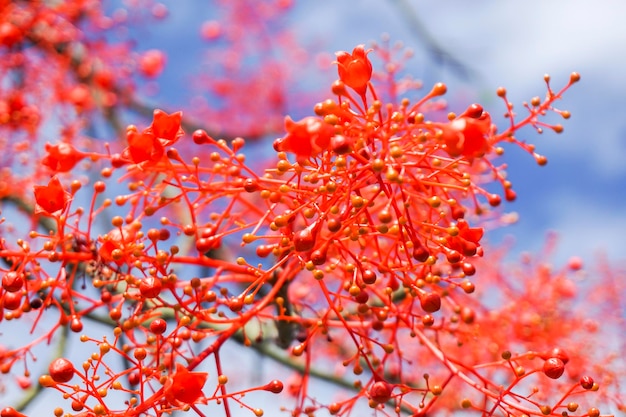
(355, 69)
(51, 199)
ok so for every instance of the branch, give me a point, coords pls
(439, 54)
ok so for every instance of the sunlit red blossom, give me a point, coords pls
(306, 137)
(144, 147)
(184, 386)
(62, 157)
(166, 127)
(467, 136)
(355, 69)
(51, 199)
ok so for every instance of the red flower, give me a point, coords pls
(61, 157)
(468, 240)
(467, 136)
(117, 245)
(305, 138)
(184, 386)
(166, 127)
(355, 69)
(51, 199)
(144, 147)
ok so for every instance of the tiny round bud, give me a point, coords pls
(474, 111)
(430, 302)
(553, 368)
(380, 392)
(586, 382)
(556, 353)
(274, 386)
(150, 287)
(12, 281)
(76, 325)
(593, 412)
(369, 277)
(339, 88)
(158, 326)
(200, 137)
(304, 240)
(340, 144)
(439, 89)
(61, 370)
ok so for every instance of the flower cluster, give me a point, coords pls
(359, 253)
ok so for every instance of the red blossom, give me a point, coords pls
(51, 199)
(184, 386)
(467, 136)
(467, 240)
(306, 137)
(144, 147)
(355, 69)
(62, 157)
(117, 245)
(166, 127)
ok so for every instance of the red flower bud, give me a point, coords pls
(380, 391)
(61, 370)
(61, 157)
(553, 368)
(355, 69)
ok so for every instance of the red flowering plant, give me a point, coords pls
(356, 257)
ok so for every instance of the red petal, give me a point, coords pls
(51, 198)
(167, 126)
